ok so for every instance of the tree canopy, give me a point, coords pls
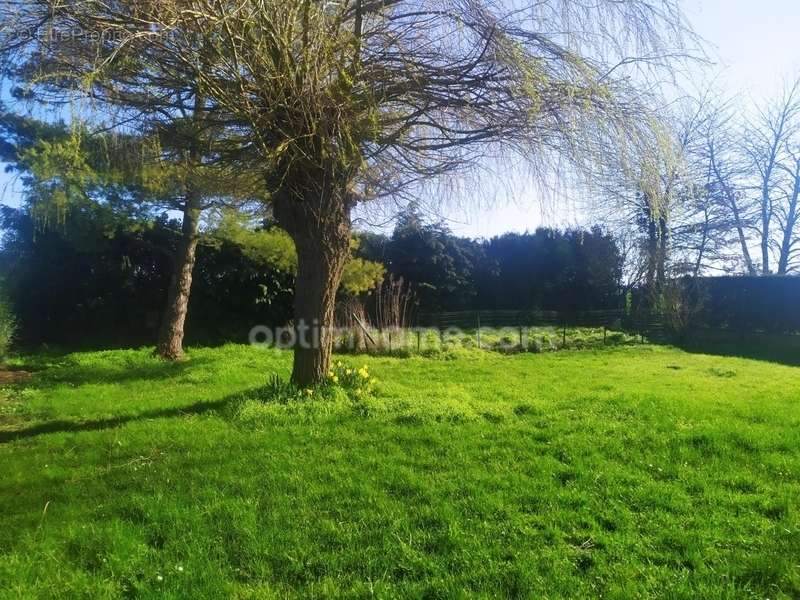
(334, 103)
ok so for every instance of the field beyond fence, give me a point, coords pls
(542, 331)
(506, 331)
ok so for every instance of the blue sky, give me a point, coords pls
(755, 45)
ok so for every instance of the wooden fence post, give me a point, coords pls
(364, 329)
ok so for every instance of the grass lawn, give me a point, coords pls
(628, 472)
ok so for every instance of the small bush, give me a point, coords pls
(8, 324)
(535, 345)
(346, 388)
(356, 383)
(352, 382)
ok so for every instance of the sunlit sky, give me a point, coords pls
(755, 47)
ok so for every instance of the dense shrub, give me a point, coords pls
(96, 282)
(347, 388)
(8, 323)
(768, 304)
(355, 383)
(99, 279)
(547, 269)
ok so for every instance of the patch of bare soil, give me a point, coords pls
(13, 375)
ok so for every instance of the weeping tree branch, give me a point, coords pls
(346, 102)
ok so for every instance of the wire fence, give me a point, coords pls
(502, 330)
(646, 325)
(510, 331)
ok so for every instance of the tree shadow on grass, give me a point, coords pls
(223, 405)
(70, 372)
(775, 348)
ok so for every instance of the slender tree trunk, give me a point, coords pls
(701, 251)
(748, 261)
(765, 222)
(788, 239)
(730, 197)
(663, 248)
(766, 200)
(652, 251)
(170, 337)
(320, 228)
(789, 226)
(737, 221)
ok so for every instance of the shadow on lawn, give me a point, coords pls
(782, 349)
(63, 426)
(69, 371)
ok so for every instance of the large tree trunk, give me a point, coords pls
(170, 337)
(318, 275)
(319, 224)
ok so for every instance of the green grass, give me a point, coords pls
(628, 472)
(508, 340)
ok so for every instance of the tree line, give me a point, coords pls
(112, 272)
(720, 197)
(548, 269)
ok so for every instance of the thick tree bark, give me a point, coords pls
(170, 337)
(319, 224)
(318, 275)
